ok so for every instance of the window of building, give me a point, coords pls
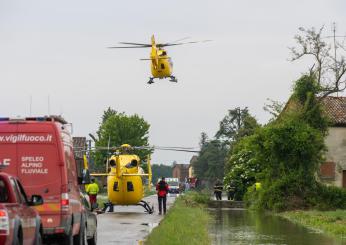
(327, 170)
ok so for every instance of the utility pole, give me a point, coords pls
(335, 47)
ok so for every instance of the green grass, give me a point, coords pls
(329, 222)
(185, 223)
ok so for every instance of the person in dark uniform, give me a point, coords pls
(230, 188)
(218, 189)
(162, 190)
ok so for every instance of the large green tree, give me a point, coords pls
(237, 124)
(211, 160)
(161, 171)
(118, 128)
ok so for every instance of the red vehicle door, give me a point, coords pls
(27, 218)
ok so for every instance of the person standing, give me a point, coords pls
(218, 189)
(162, 190)
(92, 190)
(230, 190)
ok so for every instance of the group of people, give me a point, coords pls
(230, 189)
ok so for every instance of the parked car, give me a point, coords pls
(91, 221)
(19, 222)
(39, 151)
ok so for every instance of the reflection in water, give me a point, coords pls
(238, 227)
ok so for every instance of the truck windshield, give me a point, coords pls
(173, 183)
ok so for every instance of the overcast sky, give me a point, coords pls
(57, 50)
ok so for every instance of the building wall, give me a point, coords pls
(336, 153)
(180, 171)
(176, 172)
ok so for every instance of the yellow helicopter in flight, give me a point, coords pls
(161, 63)
(125, 177)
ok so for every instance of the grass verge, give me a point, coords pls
(329, 222)
(185, 223)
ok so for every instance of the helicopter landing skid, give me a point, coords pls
(151, 80)
(108, 207)
(173, 79)
(145, 205)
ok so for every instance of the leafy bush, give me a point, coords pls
(331, 197)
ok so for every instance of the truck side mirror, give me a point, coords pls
(36, 200)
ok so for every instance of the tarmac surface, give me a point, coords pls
(129, 224)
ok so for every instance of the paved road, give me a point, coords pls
(129, 224)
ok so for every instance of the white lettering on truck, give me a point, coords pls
(33, 165)
(14, 138)
(5, 162)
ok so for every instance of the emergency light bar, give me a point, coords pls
(51, 118)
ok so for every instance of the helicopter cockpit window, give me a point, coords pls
(132, 164)
(162, 66)
(112, 163)
(129, 186)
(115, 186)
(164, 53)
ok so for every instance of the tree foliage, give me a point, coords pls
(211, 160)
(161, 171)
(118, 128)
(274, 108)
(243, 164)
(236, 124)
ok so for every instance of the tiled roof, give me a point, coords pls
(335, 108)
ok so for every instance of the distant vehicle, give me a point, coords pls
(173, 185)
(39, 152)
(19, 222)
(91, 221)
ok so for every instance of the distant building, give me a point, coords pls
(180, 171)
(333, 170)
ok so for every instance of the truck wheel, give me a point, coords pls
(93, 240)
(68, 238)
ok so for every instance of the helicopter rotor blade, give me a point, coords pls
(179, 40)
(163, 148)
(140, 44)
(160, 58)
(183, 43)
(144, 46)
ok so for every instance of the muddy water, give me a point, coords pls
(231, 226)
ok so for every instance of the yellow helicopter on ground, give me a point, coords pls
(161, 63)
(125, 176)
